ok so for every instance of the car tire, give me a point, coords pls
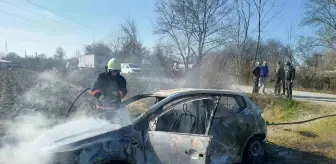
(254, 151)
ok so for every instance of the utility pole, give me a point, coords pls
(26, 57)
(5, 47)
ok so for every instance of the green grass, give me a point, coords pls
(316, 137)
(281, 110)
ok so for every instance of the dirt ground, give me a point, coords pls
(51, 93)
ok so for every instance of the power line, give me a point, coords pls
(19, 16)
(30, 11)
(31, 40)
(20, 38)
(35, 4)
(5, 46)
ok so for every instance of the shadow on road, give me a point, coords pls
(276, 154)
(316, 98)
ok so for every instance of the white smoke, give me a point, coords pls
(49, 97)
(18, 146)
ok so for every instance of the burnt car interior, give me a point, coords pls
(190, 115)
(186, 116)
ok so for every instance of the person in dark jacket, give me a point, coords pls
(280, 79)
(263, 76)
(289, 78)
(109, 87)
(256, 77)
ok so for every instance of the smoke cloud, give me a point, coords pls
(46, 102)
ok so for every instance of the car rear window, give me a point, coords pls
(230, 104)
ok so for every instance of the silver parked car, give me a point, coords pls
(187, 126)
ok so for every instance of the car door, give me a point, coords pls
(227, 127)
(173, 148)
(175, 142)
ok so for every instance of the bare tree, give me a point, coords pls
(98, 48)
(263, 7)
(59, 54)
(244, 14)
(131, 46)
(162, 56)
(322, 14)
(200, 23)
(306, 46)
(59, 57)
(209, 18)
(173, 20)
(117, 43)
(329, 61)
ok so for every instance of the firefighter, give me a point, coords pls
(109, 87)
(289, 78)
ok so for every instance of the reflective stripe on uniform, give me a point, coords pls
(95, 92)
(121, 94)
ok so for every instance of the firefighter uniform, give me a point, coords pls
(109, 87)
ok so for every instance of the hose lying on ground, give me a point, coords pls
(73, 102)
(300, 122)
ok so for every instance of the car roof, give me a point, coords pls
(173, 94)
(187, 91)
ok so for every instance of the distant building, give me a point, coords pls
(4, 64)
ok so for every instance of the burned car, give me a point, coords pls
(193, 126)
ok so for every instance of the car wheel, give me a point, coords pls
(254, 151)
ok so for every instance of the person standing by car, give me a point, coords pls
(289, 78)
(263, 77)
(109, 87)
(279, 75)
(256, 77)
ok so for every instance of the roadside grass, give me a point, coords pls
(316, 137)
(277, 109)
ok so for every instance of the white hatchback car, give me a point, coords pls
(130, 68)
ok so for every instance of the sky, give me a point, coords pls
(40, 26)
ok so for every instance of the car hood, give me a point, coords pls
(73, 131)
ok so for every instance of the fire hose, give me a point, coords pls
(269, 124)
(300, 122)
(73, 102)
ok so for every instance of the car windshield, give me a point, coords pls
(133, 66)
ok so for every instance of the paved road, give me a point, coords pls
(321, 98)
